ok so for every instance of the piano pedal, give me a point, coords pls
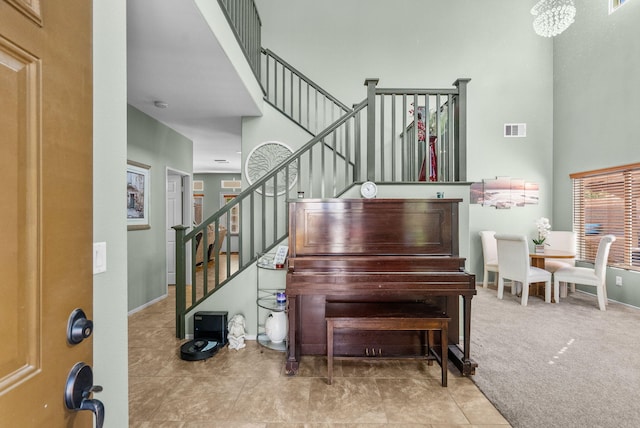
(372, 353)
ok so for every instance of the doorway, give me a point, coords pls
(178, 205)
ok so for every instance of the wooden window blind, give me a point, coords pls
(607, 202)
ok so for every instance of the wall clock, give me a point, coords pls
(369, 189)
(263, 159)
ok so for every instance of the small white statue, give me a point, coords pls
(236, 332)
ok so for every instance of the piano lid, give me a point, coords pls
(377, 227)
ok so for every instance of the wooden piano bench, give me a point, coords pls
(387, 316)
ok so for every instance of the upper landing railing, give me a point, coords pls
(376, 140)
(245, 22)
(298, 97)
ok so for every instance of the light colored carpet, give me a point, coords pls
(557, 365)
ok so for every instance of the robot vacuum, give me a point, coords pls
(209, 335)
(198, 349)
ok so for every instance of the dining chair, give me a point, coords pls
(490, 255)
(513, 263)
(589, 276)
(213, 244)
(560, 240)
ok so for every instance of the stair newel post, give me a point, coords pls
(181, 286)
(460, 131)
(371, 128)
(356, 146)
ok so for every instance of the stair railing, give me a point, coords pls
(376, 140)
(298, 97)
(244, 20)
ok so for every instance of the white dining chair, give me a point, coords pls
(589, 276)
(560, 240)
(513, 263)
(490, 255)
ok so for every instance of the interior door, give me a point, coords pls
(46, 216)
(174, 217)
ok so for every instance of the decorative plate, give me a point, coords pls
(263, 159)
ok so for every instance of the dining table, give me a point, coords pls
(538, 260)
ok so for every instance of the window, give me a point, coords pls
(607, 202)
(234, 221)
(198, 203)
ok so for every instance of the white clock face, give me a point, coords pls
(368, 189)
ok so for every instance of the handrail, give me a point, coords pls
(296, 96)
(269, 53)
(376, 140)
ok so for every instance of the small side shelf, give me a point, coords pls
(269, 282)
(267, 300)
(264, 341)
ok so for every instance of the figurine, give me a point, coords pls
(236, 335)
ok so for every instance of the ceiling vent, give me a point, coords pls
(515, 129)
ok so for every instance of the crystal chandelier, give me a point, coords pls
(552, 17)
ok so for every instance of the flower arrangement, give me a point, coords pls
(543, 226)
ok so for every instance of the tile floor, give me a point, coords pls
(248, 388)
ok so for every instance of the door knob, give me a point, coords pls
(78, 327)
(78, 390)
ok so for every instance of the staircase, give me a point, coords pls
(376, 140)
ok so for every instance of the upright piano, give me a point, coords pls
(375, 250)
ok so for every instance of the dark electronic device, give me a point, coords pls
(210, 325)
(210, 334)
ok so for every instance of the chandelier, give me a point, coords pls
(552, 17)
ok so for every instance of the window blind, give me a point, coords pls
(607, 202)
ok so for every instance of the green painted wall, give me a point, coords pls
(110, 344)
(596, 108)
(212, 190)
(152, 143)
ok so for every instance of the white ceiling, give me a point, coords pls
(174, 57)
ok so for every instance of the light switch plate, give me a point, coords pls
(99, 257)
(515, 130)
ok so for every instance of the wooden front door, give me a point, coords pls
(46, 214)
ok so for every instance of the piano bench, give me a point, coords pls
(394, 316)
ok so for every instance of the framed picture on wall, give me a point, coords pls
(138, 195)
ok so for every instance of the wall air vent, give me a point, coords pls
(230, 184)
(515, 129)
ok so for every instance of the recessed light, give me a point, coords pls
(160, 104)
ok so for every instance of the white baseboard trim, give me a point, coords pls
(609, 300)
(146, 305)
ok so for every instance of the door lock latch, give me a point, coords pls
(78, 327)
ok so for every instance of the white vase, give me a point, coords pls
(276, 326)
(540, 249)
